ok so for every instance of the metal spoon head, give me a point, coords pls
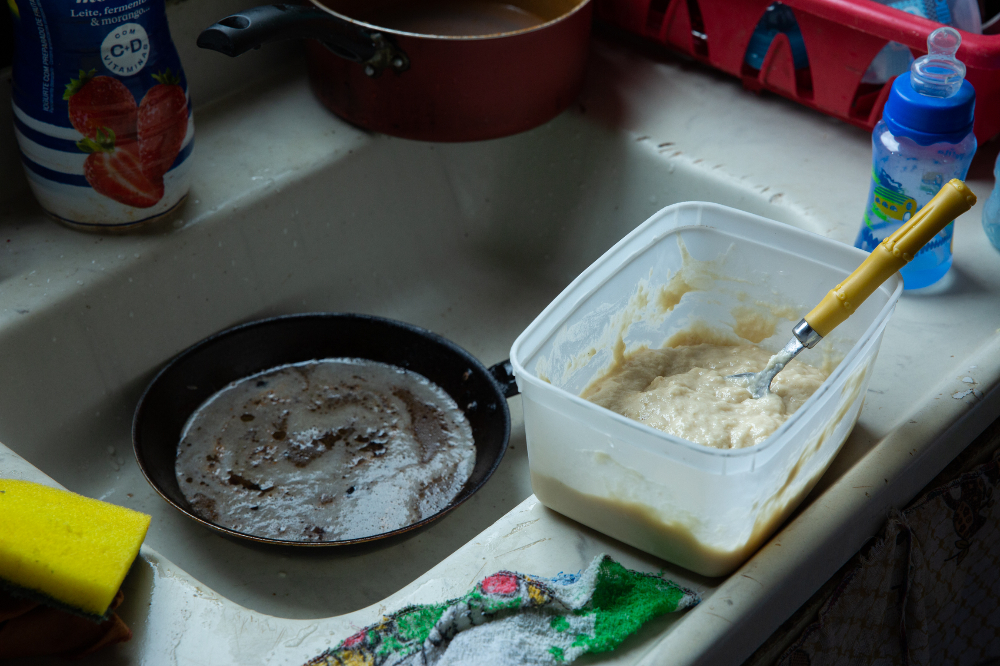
(759, 383)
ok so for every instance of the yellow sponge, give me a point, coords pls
(66, 548)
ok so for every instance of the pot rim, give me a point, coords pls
(498, 35)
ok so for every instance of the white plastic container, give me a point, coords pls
(703, 508)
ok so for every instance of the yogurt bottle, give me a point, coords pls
(101, 111)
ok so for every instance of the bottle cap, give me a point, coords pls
(934, 103)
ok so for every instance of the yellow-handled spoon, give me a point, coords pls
(891, 254)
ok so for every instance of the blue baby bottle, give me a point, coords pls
(923, 140)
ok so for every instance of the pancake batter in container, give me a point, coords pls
(684, 391)
(633, 429)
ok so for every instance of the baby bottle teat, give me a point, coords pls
(939, 73)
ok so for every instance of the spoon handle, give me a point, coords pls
(891, 254)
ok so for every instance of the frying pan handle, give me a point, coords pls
(251, 28)
(503, 373)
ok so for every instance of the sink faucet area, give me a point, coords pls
(293, 210)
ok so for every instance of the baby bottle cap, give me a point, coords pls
(939, 73)
(934, 103)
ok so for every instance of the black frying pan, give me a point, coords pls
(210, 365)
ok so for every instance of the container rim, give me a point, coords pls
(562, 301)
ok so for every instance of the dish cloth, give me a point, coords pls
(514, 619)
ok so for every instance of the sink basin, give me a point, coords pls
(293, 210)
(469, 240)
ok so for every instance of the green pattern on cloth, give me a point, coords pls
(511, 618)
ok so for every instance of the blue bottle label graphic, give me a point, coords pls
(101, 109)
(889, 207)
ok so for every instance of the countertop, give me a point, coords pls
(920, 410)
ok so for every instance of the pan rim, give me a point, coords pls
(173, 362)
(455, 38)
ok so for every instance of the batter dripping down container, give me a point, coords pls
(702, 508)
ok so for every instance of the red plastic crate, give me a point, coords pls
(841, 37)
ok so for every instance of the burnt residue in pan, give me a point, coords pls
(325, 450)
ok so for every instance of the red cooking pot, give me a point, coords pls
(434, 70)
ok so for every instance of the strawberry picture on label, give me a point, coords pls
(116, 172)
(98, 102)
(162, 124)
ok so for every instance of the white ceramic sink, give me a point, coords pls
(471, 241)
(294, 211)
